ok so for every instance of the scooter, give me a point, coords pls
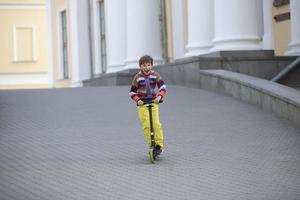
(152, 151)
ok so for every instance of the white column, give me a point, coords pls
(268, 37)
(79, 42)
(177, 26)
(294, 45)
(200, 27)
(95, 35)
(50, 45)
(236, 25)
(115, 12)
(143, 31)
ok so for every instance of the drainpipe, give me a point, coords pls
(286, 70)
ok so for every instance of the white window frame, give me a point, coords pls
(15, 55)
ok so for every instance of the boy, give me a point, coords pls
(143, 92)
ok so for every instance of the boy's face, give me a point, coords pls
(146, 67)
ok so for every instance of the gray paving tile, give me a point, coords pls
(86, 143)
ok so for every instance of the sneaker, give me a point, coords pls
(158, 149)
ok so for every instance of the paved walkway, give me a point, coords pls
(86, 143)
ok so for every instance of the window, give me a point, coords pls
(102, 36)
(64, 44)
(163, 30)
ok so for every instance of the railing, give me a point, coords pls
(287, 69)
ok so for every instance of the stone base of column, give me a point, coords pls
(294, 49)
(237, 43)
(238, 54)
(115, 68)
(196, 50)
(131, 64)
(76, 84)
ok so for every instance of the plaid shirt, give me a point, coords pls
(143, 87)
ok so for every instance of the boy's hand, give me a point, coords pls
(140, 103)
(157, 99)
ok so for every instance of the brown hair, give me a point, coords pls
(146, 59)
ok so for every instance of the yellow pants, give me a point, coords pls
(144, 118)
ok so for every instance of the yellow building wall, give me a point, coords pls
(17, 13)
(35, 17)
(282, 31)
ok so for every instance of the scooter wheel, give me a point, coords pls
(151, 156)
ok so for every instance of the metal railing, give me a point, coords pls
(286, 70)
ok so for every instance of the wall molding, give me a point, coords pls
(22, 6)
(15, 54)
(23, 78)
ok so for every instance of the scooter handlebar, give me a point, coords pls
(160, 101)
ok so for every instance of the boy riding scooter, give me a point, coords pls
(143, 93)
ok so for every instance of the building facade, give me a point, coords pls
(87, 38)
